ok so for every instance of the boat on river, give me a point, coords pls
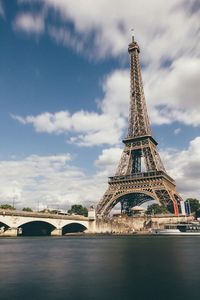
(178, 229)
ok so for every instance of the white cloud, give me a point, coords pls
(171, 33)
(170, 50)
(90, 128)
(29, 23)
(116, 94)
(108, 161)
(173, 94)
(184, 167)
(177, 130)
(55, 182)
(51, 180)
(63, 36)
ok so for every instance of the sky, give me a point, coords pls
(64, 95)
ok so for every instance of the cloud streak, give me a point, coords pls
(173, 32)
(29, 23)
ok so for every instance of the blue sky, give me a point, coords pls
(64, 92)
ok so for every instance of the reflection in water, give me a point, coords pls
(93, 268)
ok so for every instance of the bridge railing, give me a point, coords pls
(7, 212)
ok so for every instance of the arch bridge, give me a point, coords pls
(15, 223)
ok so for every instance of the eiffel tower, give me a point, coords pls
(140, 176)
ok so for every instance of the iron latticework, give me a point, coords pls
(140, 176)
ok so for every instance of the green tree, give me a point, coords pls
(28, 209)
(155, 209)
(78, 210)
(198, 213)
(170, 207)
(7, 206)
(194, 206)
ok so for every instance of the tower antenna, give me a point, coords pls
(132, 34)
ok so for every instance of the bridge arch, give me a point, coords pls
(24, 220)
(73, 227)
(7, 221)
(36, 228)
(2, 223)
(3, 226)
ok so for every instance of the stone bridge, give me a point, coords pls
(14, 223)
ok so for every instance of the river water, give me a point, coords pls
(101, 267)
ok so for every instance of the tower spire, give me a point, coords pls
(132, 31)
(138, 124)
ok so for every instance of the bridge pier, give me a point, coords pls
(10, 232)
(56, 232)
(91, 227)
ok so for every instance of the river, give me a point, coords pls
(99, 268)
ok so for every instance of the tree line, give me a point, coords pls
(76, 209)
(152, 209)
(193, 204)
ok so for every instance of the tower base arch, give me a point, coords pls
(157, 186)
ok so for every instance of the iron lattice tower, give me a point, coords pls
(140, 175)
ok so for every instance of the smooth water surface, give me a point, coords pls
(101, 267)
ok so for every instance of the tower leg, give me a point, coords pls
(175, 208)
